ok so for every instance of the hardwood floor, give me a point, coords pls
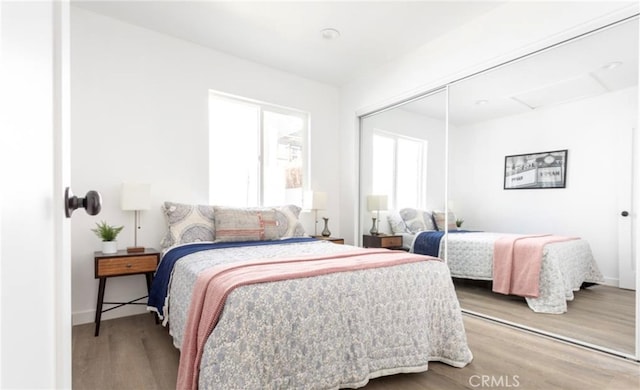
(135, 353)
(600, 315)
(130, 353)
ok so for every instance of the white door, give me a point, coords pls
(35, 271)
(626, 214)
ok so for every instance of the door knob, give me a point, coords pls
(625, 213)
(92, 202)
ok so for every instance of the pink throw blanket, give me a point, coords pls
(517, 260)
(214, 285)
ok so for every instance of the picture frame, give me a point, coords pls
(536, 170)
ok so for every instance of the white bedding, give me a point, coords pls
(565, 266)
(332, 331)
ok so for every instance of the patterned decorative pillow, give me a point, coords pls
(438, 217)
(187, 223)
(417, 220)
(397, 223)
(288, 223)
(245, 224)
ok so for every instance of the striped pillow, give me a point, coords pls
(438, 217)
(245, 224)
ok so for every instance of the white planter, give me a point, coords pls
(109, 246)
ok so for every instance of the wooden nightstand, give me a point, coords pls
(335, 240)
(382, 241)
(122, 264)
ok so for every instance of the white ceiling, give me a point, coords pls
(286, 35)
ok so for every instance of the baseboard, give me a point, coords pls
(613, 282)
(88, 316)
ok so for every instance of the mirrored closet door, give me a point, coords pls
(402, 162)
(580, 96)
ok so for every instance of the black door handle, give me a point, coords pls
(92, 202)
(625, 213)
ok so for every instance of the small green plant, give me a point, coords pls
(107, 232)
(459, 222)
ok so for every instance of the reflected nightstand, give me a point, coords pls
(382, 241)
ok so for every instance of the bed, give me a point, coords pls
(565, 262)
(337, 327)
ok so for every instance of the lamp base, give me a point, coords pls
(374, 228)
(135, 249)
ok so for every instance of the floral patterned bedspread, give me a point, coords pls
(328, 332)
(565, 266)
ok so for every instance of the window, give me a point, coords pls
(400, 169)
(257, 152)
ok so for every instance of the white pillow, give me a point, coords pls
(417, 220)
(288, 222)
(397, 223)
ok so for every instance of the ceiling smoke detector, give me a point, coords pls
(330, 34)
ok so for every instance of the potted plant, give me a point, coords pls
(108, 234)
(459, 222)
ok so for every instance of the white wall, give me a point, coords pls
(509, 31)
(139, 113)
(587, 207)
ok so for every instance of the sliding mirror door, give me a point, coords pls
(402, 165)
(580, 97)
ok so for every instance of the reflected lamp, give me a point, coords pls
(376, 203)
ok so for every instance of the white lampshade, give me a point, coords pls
(377, 202)
(136, 196)
(314, 200)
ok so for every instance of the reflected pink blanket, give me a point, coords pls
(516, 263)
(214, 285)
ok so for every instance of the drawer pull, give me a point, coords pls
(129, 265)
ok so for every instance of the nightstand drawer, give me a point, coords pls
(391, 241)
(126, 265)
(382, 241)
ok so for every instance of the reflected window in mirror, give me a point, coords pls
(399, 167)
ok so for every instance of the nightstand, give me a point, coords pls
(123, 263)
(382, 241)
(335, 240)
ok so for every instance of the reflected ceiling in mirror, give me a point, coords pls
(544, 80)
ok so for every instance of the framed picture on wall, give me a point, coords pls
(536, 170)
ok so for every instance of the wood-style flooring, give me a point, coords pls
(135, 353)
(599, 315)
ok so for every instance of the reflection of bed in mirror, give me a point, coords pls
(544, 269)
(563, 267)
